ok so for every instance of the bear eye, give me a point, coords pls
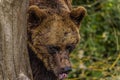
(70, 47)
(53, 49)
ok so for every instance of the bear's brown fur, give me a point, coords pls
(53, 33)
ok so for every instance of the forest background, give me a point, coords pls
(97, 56)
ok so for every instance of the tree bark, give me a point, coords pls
(14, 59)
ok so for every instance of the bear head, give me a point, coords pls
(54, 36)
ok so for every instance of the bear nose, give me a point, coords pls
(67, 69)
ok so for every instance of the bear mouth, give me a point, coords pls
(62, 76)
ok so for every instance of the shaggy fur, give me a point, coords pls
(53, 33)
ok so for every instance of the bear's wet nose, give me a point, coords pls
(67, 69)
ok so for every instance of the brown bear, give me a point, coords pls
(53, 33)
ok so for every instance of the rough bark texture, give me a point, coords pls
(14, 61)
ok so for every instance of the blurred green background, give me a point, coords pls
(97, 57)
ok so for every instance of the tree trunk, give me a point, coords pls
(14, 59)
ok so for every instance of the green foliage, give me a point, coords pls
(97, 57)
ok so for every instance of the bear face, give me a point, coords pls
(54, 36)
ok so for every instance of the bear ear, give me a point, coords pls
(35, 16)
(78, 14)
